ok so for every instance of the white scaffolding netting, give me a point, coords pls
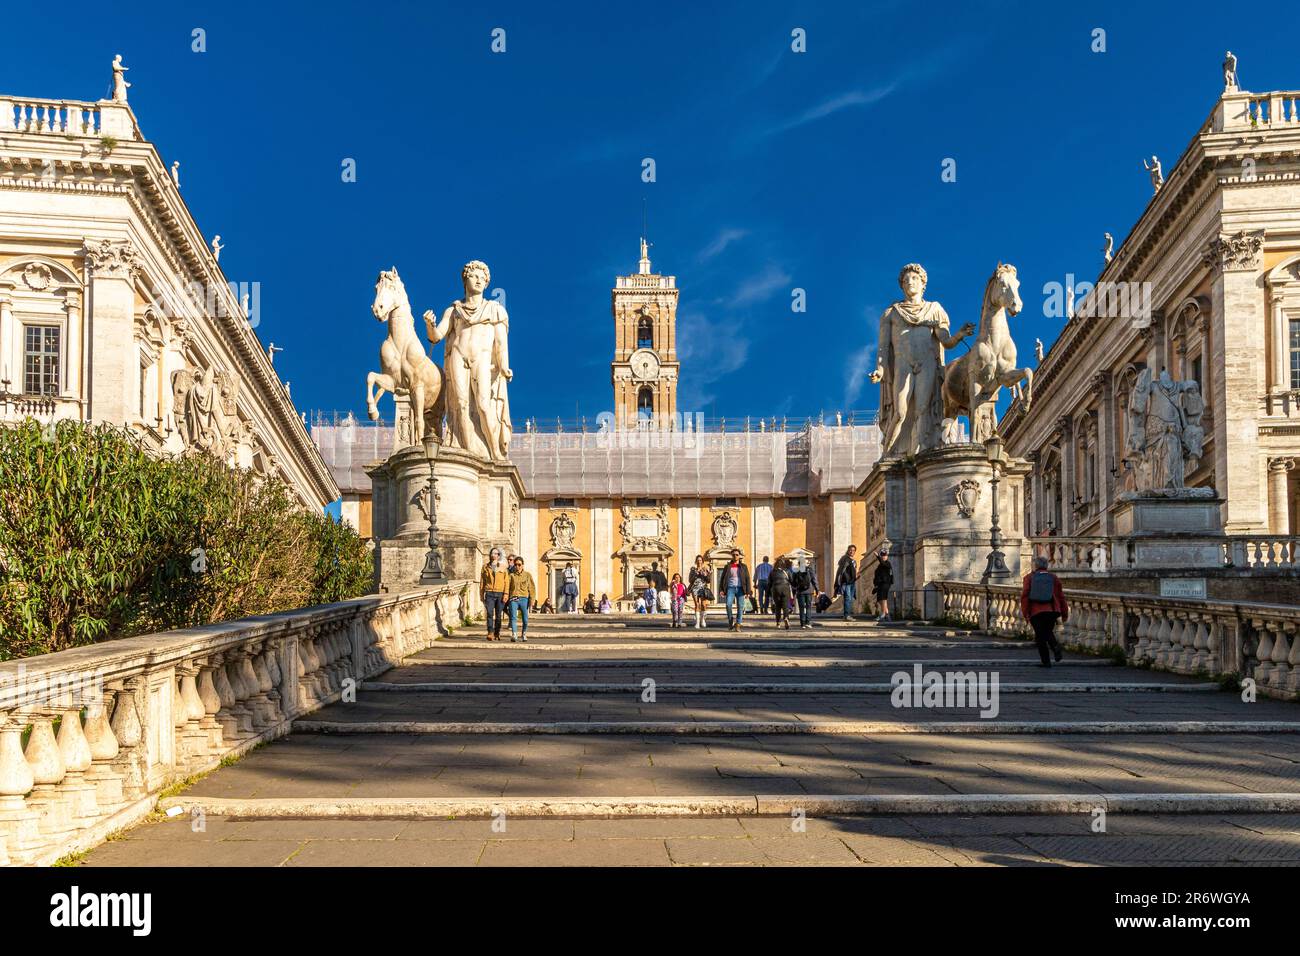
(347, 446)
(672, 464)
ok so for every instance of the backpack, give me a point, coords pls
(801, 581)
(1042, 587)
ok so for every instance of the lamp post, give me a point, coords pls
(432, 573)
(997, 562)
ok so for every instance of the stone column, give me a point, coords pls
(1281, 351)
(1279, 498)
(1239, 326)
(1067, 476)
(1107, 454)
(74, 349)
(764, 525)
(111, 269)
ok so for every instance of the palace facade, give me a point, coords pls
(647, 488)
(1206, 285)
(113, 307)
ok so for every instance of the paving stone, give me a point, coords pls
(400, 853)
(611, 852)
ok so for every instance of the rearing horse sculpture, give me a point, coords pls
(403, 360)
(972, 382)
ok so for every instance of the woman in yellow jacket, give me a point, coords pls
(522, 593)
(494, 581)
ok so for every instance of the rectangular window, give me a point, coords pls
(40, 360)
(564, 503)
(647, 503)
(797, 501)
(725, 503)
(1295, 353)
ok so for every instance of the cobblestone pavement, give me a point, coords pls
(1083, 728)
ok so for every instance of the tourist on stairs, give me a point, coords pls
(780, 592)
(846, 579)
(733, 581)
(804, 583)
(1042, 601)
(762, 575)
(701, 589)
(522, 592)
(494, 581)
(677, 598)
(881, 582)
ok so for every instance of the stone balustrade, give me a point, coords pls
(1271, 551)
(56, 117)
(1185, 636)
(1253, 552)
(1077, 553)
(89, 736)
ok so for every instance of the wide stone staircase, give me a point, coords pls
(619, 740)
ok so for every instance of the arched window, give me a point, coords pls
(645, 338)
(645, 403)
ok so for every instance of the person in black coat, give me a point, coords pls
(780, 589)
(734, 586)
(881, 583)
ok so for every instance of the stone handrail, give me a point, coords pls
(138, 714)
(1071, 553)
(1272, 551)
(1185, 636)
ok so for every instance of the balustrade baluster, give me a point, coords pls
(19, 822)
(46, 763)
(103, 751)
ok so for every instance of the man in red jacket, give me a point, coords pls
(1042, 601)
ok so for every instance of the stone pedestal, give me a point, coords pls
(937, 519)
(477, 509)
(1182, 529)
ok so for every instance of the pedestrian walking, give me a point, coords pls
(569, 590)
(782, 593)
(762, 575)
(494, 582)
(677, 592)
(701, 588)
(1042, 602)
(651, 598)
(846, 578)
(522, 592)
(734, 582)
(881, 582)
(803, 581)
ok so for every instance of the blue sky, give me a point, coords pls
(775, 169)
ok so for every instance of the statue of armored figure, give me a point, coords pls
(1164, 431)
(476, 367)
(909, 367)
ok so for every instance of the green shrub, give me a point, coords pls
(99, 538)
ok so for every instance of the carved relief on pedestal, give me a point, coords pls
(563, 531)
(205, 409)
(725, 530)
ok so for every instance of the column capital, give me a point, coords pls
(1282, 464)
(112, 258)
(1238, 252)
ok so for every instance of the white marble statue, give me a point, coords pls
(271, 350)
(1164, 431)
(1109, 249)
(1157, 177)
(1229, 71)
(476, 364)
(1038, 350)
(972, 381)
(909, 367)
(216, 248)
(403, 362)
(120, 85)
(176, 173)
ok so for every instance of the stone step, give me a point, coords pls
(818, 805)
(974, 725)
(550, 644)
(761, 687)
(427, 662)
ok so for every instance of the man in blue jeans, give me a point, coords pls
(846, 579)
(761, 574)
(733, 581)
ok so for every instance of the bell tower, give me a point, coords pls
(645, 366)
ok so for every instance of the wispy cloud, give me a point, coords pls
(723, 239)
(836, 104)
(760, 287)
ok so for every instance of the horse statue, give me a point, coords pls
(971, 383)
(405, 364)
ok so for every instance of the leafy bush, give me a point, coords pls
(99, 538)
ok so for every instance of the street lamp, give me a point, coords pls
(432, 573)
(997, 563)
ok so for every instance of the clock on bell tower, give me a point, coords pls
(645, 366)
